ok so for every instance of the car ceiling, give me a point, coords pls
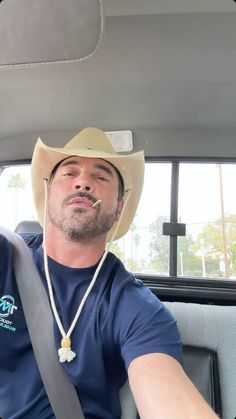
(162, 66)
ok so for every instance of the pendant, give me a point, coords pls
(65, 353)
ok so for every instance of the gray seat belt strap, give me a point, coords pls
(61, 393)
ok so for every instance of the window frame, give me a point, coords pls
(216, 284)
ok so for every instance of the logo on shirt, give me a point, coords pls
(7, 305)
(7, 308)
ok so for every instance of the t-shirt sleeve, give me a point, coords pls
(5, 252)
(144, 325)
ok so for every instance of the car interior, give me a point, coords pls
(163, 70)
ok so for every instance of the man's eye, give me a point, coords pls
(67, 174)
(102, 178)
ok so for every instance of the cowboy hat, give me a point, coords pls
(90, 142)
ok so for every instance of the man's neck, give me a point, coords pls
(73, 253)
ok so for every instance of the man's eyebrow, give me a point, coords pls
(68, 162)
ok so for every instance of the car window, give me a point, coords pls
(206, 204)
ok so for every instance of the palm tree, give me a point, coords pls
(16, 182)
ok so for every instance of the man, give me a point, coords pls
(107, 324)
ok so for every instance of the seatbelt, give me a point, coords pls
(61, 393)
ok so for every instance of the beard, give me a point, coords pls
(80, 225)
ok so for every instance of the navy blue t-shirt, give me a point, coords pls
(120, 321)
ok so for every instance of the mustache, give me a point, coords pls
(79, 194)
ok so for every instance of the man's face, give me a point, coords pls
(78, 183)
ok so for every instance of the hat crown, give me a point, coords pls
(91, 139)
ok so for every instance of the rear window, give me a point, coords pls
(206, 204)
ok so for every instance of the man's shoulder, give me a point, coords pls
(4, 243)
(123, 281)
(33, 240)
(118, 270)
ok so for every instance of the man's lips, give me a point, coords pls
(80, 201)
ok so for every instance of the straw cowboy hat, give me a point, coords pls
(90, 142)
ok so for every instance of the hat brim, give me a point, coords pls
(130, 166)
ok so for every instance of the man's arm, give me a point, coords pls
(162, 390)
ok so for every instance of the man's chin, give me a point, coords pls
(79, 210)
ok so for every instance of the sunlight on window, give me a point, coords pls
(144, 248)
(16, 202)
(207, 204)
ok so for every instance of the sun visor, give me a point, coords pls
(46, 31)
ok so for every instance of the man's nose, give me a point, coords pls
(82, 183)
(86, 188)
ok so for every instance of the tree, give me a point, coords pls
(115, 248)
(159, 246)
(135, 241)
(230, 222)
(211, 237)
(191, 263)
(16, 182)
(136, 244)
(233, 258)
(202, 257)
(159, 251)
